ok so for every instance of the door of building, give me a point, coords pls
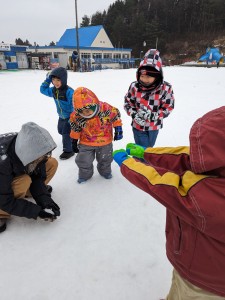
(2, 61)
(63, 60)
(22, 60)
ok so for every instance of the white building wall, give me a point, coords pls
(113, 53)
(63, 59)
(102, 40)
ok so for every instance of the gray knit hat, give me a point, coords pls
(32, 142)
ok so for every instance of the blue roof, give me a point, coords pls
(86, 36)
(18, 48)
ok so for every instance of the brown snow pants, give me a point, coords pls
(182, 289)
(21, 184)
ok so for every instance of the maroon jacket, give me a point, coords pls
(190, 183)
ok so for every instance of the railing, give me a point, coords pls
(113, 60)
(86, 65)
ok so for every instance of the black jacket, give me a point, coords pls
(10, 167)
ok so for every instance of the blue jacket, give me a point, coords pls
(74, 56)
(62, 96)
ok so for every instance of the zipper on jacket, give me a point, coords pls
(177, 237)
(57, 98)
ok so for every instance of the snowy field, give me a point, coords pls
(109, 243)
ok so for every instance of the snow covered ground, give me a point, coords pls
(109, 242)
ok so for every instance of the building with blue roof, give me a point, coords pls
(13, 57)
(94, 48)
(91, 36)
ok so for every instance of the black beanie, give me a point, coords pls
(150, 71)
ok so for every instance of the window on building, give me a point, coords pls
(10, 58)
(7, 58)
(117, 55)
(85, 55)
(107, 55)
(97, 55)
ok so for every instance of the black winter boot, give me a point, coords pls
(3, 224)
(66, 155)
(49, 188)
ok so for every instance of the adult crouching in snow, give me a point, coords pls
(26, 167)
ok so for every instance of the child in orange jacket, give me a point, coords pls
(92, 124)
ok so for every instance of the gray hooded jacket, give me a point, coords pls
(32, 142)
(16, 152)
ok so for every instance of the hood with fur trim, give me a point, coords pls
(207, 143)
(32, 142)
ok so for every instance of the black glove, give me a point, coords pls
(118, 135)
(46, 216)
(46, 202)
(54, 207)
(74, 146)
(148, 115)
(139, 120)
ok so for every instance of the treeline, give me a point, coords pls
(130, 23)
(20, 42)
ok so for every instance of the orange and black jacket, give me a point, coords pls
(97, 131)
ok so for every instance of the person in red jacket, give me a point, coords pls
(190, 183)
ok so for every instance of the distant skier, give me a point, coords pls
(75, 60)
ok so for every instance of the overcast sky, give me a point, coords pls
(43, 21)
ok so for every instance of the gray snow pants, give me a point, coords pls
(84, 160)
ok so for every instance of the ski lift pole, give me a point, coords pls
(77, 37)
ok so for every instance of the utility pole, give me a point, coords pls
(156, 43)
(77, 36)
